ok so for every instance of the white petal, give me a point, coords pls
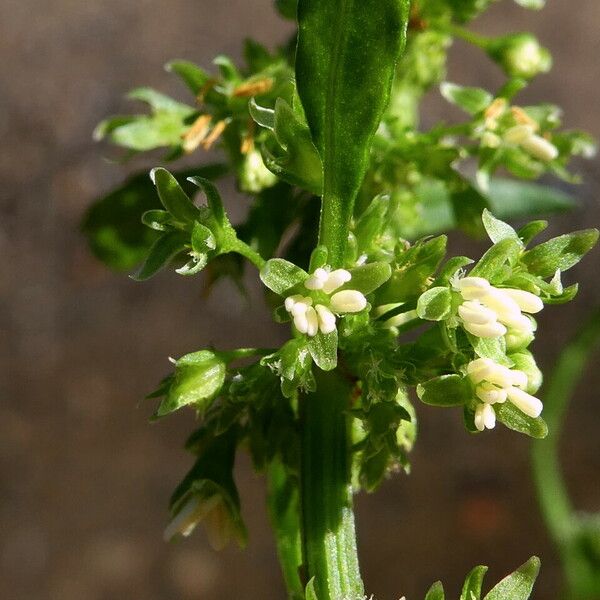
(301, 306)
(525, 402)
(326, 319)
(474, 312)
(348, 301)
(490, 394)
(489, 330)
(528, 302)
(519, 323)
(312, 322)
(335, 280)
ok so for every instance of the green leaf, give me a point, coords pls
(532, 4)
(345, 63)
(446, 390)
(198, 379)
(174, 199)
(367, 278)
(436, 592)
(161, 253)
(496, 229)
(501, 253)
(471, 99)
(193, 76)
(265, 117)
(435, 304)
(516, 420)
(213, 198)
(494, 348)
(510, 199)
(280, 275)
(113, 225)
(471, 589)
(203, 239)
(310, 593)
(323, 349)
(159, 102)
(517, 585)
(528, 232)
(562, 252)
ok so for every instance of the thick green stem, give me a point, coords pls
(329, 536)
(335, 224)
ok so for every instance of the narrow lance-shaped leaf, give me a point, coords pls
(345, 62)
(517, 585)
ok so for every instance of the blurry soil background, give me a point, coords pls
(85, 479)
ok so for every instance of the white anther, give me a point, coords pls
(472, 288)
(312, 321)
(485, 417)
(540, 148)
(301, 322)
(326, 319)
(519, 133)
(528, 302)
(479, 368)
(335, 280)
(502, 304)
(317, 280)
(525, 402)
(290, 301)
(487, 330)
(301, 306)
(519, 378)
(475, 312)
(490, 394)
(348, 301)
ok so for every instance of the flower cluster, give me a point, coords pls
(495, 384)
(522, 131)
(490, 312)
(321, 317)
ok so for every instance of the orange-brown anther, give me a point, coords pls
(213, 136)
(196, 134)
(253, 88)
(522, 118)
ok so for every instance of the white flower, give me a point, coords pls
(321, 317)
(495, 384)
(490, 312)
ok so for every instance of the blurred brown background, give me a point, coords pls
(85, 479)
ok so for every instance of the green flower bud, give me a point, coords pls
(254, 175)
(520, 55)
(525, 362)
(518, 339)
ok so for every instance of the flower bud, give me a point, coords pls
(254, 175)
(520, 55)
(326, 319)
(525, 363)
(335, 280)
(517, 339)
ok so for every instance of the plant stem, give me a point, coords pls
(558, 512)
(465, 34)
(335, 224)
(247, 252)
(329, 536)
